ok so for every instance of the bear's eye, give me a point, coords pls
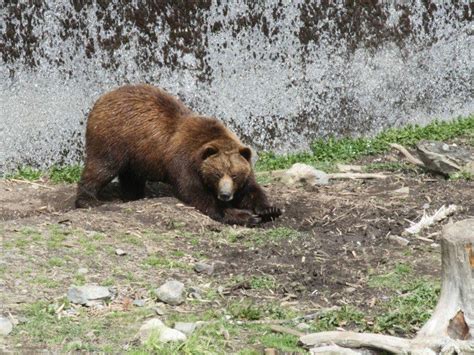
(234, 176)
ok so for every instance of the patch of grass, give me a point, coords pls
(55, 261)
(343, 317)
(283, 342)
(412, 305)
(68, 174)
(462, 175)
(333, 149)
(25, 173)
(392, 280)
(94, 334)
(407, 312)
(46, 282)
(250, 311)
(165, 263)
(390, 166)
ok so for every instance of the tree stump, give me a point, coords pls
(450, 330)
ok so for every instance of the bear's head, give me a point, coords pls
(225, 168)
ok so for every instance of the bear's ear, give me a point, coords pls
(246, 153)
(208, 151)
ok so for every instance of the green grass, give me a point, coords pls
(331, 150)
(346, 316)
(56, 174)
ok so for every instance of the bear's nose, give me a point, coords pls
(225, 196)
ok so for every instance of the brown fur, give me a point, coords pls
(142, 133)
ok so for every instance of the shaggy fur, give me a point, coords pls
(141, 133)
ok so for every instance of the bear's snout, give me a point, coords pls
(225, 191)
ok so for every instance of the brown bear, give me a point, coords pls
(141, 133)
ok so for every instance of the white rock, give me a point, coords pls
(203, 268)
(164, 334)
(6, 326)
(303, 174)
(120, 252)
(186, 328)
(172, 292)
(87, 293)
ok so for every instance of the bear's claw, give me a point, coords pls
(269, 213)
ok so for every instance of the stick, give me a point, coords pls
(31, 183)
(407, 154)
(279, 329)
(357, 176)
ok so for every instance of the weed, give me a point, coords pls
(333, 149)
(462, 175)
(345, 316)
(25, 173)
(392, 280)
(408, 311)
(55, 261)
(391, 166)
(68, 174)
(165, 263)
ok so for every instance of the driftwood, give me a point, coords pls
(450, 330)
(412, 159)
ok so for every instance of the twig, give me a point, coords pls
(279, 329)
(407, 154)
(31, 183)
(357, 176)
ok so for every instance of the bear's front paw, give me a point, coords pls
(269, 213)
(242, 217)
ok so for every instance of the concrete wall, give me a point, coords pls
(280, 73)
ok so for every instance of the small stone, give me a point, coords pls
(88, 293)
(349, 289)
(164, 334)
(172, 292)
(434, 245)
(204, 268)
(139, 303)
(120, 252)
(186, 328)
(399, 240)
(82, 271)
(159, 311)
(195, 292)
(6, 326)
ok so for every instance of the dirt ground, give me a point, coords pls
(320, 253)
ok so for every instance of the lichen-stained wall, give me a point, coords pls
(280, 73)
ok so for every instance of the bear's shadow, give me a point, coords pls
(111, 193)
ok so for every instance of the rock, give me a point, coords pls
(444, 158)
(82, 271)
(120, 252)
(303, 174)
(6, 326)
(88, 294)
(195, 292)
(160, 311)
(399, 240)
(163, 333)
(172, 292)
(139, 303)
(303, 326)
(403, 191)
(186, 328)
(204, 268)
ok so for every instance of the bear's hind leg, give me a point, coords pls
(94, 178)
(132, 186)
